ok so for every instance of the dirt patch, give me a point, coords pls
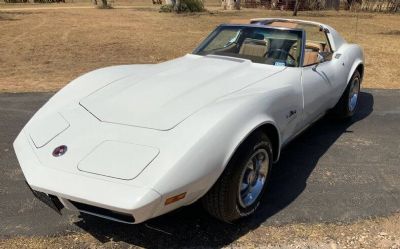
(374, 233)
(5, 17)
(47, 48)
(390, 32)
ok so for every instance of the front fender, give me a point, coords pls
(203, 147)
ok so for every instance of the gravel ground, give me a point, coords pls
(372, 233)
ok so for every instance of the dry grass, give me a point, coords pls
(43, 49)
(369, 234)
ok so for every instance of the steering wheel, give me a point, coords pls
(280, 50)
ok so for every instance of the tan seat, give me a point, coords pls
(314, 46)
(310, 58)
(254, 47)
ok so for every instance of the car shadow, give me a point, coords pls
(192, 227)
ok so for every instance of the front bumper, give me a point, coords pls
(70, 188)
(50, 200)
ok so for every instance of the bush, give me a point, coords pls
(192, 6)
(185, 6)
(166, 8)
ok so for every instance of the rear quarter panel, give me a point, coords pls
(353, 56)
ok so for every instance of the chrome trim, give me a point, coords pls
(353, 94)
(253, 178)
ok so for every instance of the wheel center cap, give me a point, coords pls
(251, 177)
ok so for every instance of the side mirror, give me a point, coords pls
(321, 57)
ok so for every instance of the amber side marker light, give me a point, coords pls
(175, 198)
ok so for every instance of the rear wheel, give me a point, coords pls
(347, 104)
(238, 191)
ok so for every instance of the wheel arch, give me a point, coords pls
(358, 64)
(271, 130)
(360, 69)
(273, 134)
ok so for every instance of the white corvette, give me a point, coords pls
(133, 142)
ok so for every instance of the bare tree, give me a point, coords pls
(296, 7)
(104, 3)
(177, 5)
(232, 4)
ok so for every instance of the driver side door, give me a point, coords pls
(317, 76)
(317, 83)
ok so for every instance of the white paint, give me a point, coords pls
(194, 110)
(48, 127)
(118, 160)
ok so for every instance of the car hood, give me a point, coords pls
(171, 93)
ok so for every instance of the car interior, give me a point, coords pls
(261, 46)
(312, 47)
(274, 47)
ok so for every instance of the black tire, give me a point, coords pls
(343, 108)
(223, 200)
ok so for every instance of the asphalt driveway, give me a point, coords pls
(334, 172)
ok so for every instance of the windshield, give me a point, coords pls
(271, 46)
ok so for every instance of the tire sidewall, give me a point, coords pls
(260, 142)
(355, 75)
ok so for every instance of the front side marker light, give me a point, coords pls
(175, 198)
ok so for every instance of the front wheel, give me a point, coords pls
(238, 191)
(347, 104)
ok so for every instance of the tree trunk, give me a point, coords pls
(177, 6)
(233, 4)
(104, 3)
(237, 4)
(296, 7)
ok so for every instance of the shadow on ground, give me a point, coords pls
(191, 226)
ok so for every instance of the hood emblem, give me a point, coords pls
(60, 150)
